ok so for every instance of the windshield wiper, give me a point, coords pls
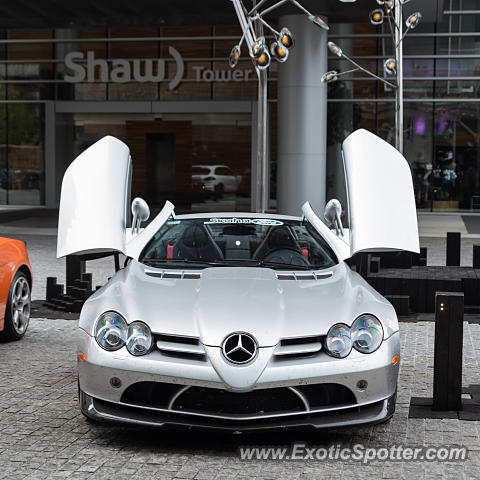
(185, 260)
(286, 266)
(231, 263)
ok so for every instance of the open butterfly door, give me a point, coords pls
(95, 204)
(381, 201)
(95, 198)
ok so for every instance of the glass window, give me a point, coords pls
(196, 170)
(223, 171)
(174, 158)
(456, 157)
(21, 155)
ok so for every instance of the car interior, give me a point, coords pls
(191, 240)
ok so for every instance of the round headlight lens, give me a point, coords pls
(338, 342)
(139, 339)
(111, 331)
(366, 333)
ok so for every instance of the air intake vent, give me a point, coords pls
(180, 346)
(172, 275)
(298, 347)
(181, 275)
(303, 275)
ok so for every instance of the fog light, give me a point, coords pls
(362, 385)
(115, 382)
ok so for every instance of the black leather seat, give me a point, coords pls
(197, 244)
(278, 238)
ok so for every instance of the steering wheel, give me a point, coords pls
(288, 256)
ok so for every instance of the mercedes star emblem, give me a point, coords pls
(239, 348)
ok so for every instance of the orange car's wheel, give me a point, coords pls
(17, 313)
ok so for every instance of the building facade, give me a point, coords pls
(189, 120)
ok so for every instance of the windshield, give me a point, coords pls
(264, 242)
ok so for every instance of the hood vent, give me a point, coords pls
(298, 347)
(180, 346)
(180, 275)
(303, 275)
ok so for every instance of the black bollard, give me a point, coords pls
(476, 256)
(453, 249)
(51, 288)
(447, 373)
(75, 268)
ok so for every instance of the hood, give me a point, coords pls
(231, 299)
(212, 303)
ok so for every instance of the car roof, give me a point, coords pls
(237, 215)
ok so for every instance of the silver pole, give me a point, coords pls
(262, 170)
(263, 177)
(399, 89)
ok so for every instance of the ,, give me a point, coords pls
(15, 289)
(238, 321)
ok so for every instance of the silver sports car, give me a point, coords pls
(238, 321)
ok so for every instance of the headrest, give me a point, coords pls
(195, 236)
(280, 237)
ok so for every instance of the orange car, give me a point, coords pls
(15, 289)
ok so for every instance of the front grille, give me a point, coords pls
(216, 402)
(200, 399)
(181, 275)
(180, 346)
(298, 347)
(303, 275)
(151, 394)
(327, 395)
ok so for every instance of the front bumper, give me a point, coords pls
(105, 400)
(104, 411)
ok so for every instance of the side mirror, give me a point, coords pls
(333, 216)
(140, 212)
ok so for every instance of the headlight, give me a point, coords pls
(338, 342)
(111, 331)
(139, 339)
(366, 333)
